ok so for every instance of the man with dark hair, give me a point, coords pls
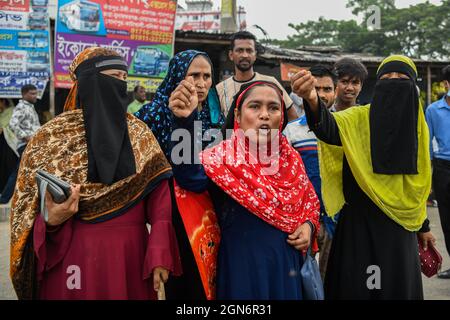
(326, 81)
(24, 123)
(351, 76)
(438, 120)
(243, 54)
(140, 98)
(305, 142)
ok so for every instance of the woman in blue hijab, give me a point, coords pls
(188, 69)
(157, 115)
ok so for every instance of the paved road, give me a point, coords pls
(6, 290)
(434, 288)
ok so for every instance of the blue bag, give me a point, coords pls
(312, 285)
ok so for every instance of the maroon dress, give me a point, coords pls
(108, 260)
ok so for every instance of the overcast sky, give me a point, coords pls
(274, 15)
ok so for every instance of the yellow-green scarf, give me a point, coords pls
(401, 197)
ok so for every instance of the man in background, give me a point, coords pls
(351, 76)
(438, 120)
(140, 98)
(243, 54)
(24, 123)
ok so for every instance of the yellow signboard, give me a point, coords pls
(150, 84)
(227, 8)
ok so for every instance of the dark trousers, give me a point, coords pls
(441, 187)
(8, 191)
(8, 161)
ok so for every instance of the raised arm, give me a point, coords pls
(187, 169)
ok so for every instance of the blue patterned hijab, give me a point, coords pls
(159, 117)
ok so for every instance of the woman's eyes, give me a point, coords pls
(271, 107)
(120, 76)
(274, 107)
(198, 75)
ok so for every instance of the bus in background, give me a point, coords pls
(38, 61)
(81, 15)
(149, 61)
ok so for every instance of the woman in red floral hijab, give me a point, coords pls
(267, 208)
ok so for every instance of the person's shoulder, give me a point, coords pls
(296, 131)
(434, 106)
(225, 82)
(132, 103)
(220, 85)
(298, 124)
(264, 77)
(59, 123)
(8, 111)
(19, 107)
(19, 104)
(355, 109)
(356, 113)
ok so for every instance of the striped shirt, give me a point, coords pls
(305, 142)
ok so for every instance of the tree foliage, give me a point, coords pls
(419, 31)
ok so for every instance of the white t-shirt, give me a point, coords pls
(227, 89)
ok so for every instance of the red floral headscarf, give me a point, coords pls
(285, 199)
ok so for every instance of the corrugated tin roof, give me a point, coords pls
(272, 53)
(315, 54)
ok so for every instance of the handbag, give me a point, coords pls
(312, 285)
(58, 189)
(430, 260)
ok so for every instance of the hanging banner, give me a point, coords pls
(142, 31)
(24, 46)
(227, 9)
(288, 70)
(15, 5)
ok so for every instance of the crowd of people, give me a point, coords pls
(221, 191)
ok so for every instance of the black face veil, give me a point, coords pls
(393, 122)
(103, 100)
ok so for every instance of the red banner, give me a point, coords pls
(15, 5)
(150, 21)
(141, 31)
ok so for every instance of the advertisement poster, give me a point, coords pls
(24, 46)
(142, 31)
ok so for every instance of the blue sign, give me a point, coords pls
(24, 48)
(11, 82)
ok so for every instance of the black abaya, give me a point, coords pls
(368, 246)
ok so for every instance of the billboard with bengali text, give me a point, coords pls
(142, 31)
(24, 46)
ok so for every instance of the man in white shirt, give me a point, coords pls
(24, 123)
(243, 54)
